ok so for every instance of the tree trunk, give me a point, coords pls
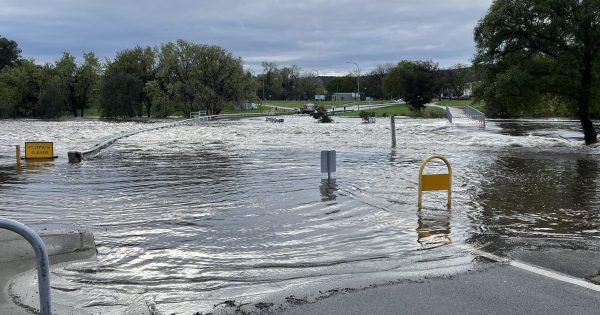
(148, 104)
(589, 132)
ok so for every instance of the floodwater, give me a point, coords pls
(191, 216)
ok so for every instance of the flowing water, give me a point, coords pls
(236, 210)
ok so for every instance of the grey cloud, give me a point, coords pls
(312, 34)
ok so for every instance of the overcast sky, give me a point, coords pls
(315, 35)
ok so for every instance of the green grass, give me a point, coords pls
(92, 111)
(400, 110)
(327, 104)
(230, 109)
(462, 103)
(282, 105)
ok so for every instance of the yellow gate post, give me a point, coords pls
(431, 182)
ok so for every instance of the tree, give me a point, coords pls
(120, 95)
(9, 53)
(199, 76)
(453, 81)
(20, 88)
(308, 86)
(52, 99)
(414, 81)
(345, 84)
(272, 81)
(321, 115)
(529, 50)
(373, 81)
(289, 82)
(140, 63)
(80, 81)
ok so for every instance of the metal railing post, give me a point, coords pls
(41, 260)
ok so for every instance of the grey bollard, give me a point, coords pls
(74, 157)
(393, 128)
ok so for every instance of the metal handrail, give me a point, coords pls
(78, 156)
(448, 114)
(475, 115)
(41, 260)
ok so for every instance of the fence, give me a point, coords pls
(197, 114)
(78, 156)
(448, 114)
(475, 115)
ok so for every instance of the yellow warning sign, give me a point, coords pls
(435, 182)
(39, 150)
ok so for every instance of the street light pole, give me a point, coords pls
(357, 81)
(263, 87)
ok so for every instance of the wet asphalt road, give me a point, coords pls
(494, 289)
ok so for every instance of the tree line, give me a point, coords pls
(152, 81)
(181, 77)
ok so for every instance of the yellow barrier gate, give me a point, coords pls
(429, 182)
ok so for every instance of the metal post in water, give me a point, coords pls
(18, 149)
(41, 260)
(74, 157)
(393, 127)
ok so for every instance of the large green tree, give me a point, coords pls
(20, 88)
(120, 95)
(9, 52)
(415, 81)
(272, 83)
(140, 65)
(532, 50)
(373, 81)
(309, 85)
(345, 84)
(80, 81)
(199, 76)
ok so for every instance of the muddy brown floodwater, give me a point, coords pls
(192, 216)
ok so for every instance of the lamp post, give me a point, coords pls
(263, 87)
(357, 81)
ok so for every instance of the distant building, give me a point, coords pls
(319, 97)
(344, 97)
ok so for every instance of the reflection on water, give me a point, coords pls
(194, 215)
(38, 165)
(328, 188)
(433, 228)
(539, 200)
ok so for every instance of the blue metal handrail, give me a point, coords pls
(41, 260)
